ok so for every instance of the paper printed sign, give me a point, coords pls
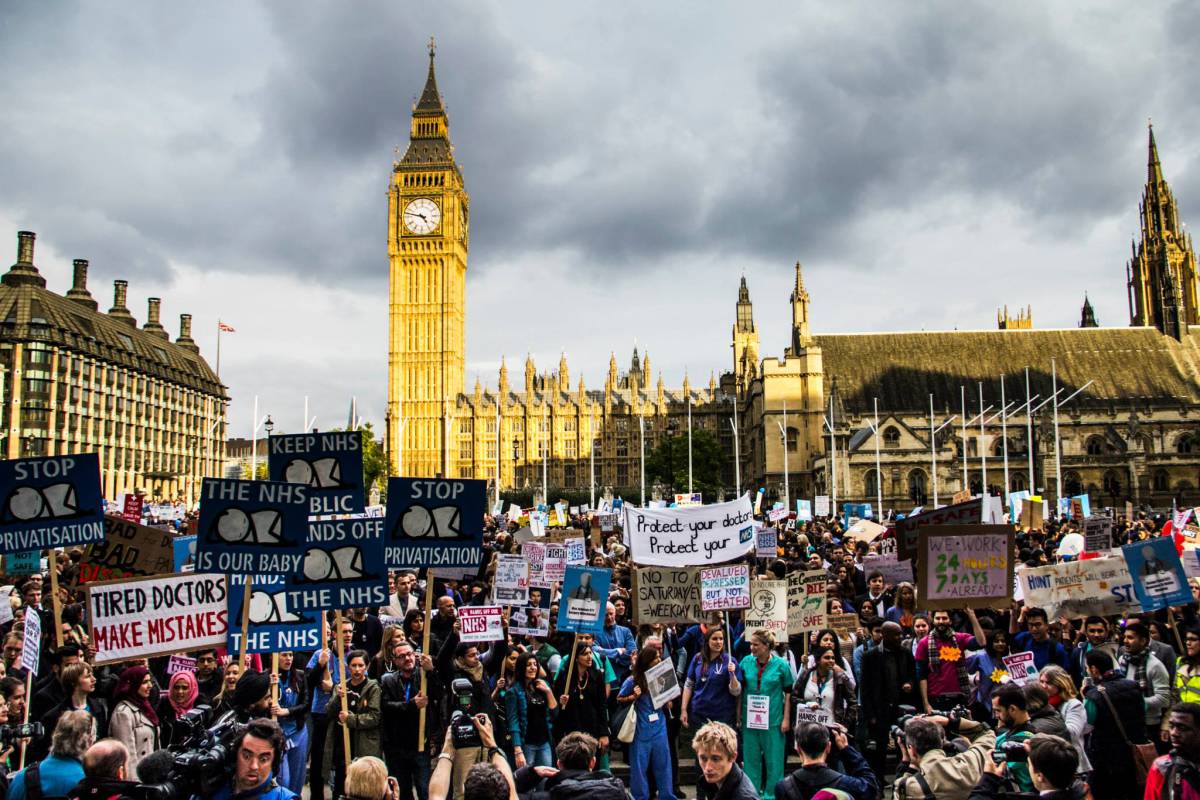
(129, 550)
(694, 536)
(251, 527)
(183, 555)
(50, 502)
(966, 566)
(723, 588)
(821, 504)
(663, 683)
(693, 499)
(510, 586)
(608, 522)
(667, 595)
(480, 624)
(274, 627)
(804, 511)
(143, 617)
(535, 554)
(768, 607)
(1158, 577)
(1080, 589)
(1097, 534)
(31, 644)
(766, 543)
(342, 567)
(329, 464)
(555, 564)
(807, 602)
(584, 599)
(534, 618)
(576, 550)
(908, 529)
(26, 563)
(776, 514)
(813, 713)
(1020, 668)
(435, 522)
(758, 712)
(132, 510)
(178, 663)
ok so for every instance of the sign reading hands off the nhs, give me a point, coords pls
(50, 502)
(329, 464)
(251, 527)
(435, 522)
(343, 566)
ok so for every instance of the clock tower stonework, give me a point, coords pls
(428, 211)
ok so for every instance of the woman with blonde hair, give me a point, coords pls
(1064, 696)
(766, 681)
(367, 779)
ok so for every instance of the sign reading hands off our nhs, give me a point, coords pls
(50, 502)
(435, 522)
(251, 527)
(329, 464)
(691, 536)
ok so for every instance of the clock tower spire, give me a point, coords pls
(428, 212)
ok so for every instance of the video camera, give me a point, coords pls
(1010, 751)
(11, 733)
(462, 726)
(203, 760)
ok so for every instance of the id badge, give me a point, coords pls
(758, 712)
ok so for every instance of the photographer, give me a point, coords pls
(56, 775)
(484, 781)
(575, 777)
(106, 773)
(1012, 710)
(926, 770)
(1052, 765)
(256, 757)
(816, 744)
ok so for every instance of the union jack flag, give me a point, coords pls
(221, 326)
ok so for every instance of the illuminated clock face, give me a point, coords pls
(422, 215)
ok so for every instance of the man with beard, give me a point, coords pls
(888, 678)
(942, 663)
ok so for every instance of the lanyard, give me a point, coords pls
(821, 684)
(761, 667)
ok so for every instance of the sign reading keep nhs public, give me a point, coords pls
(329, 464)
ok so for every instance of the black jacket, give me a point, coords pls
(400, 713)
(1048, 720)
(1106, 745)
(859, 780)
(103, 789)
(585, 711)
(569, 784)
(991, 787)
(880, 697)
(99, 710)
(736, 786)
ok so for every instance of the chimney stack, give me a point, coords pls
(119, 311)
(79, 291)
(185, 333)
(24, 272)
(153, 326)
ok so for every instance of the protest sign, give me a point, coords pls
(865, 531)
(804, 512)
(723, 588)
(1020, 668)
(576, 550)
(663, 683)
(692, 499)
(806, 601)
(180, 663)
(31, 644)
(480, 624)
(50, 502)
(1033, 514)
(961, 496)
(534, 618)
(853, 511)
(907, 529)
(535, 554)
(1190, 559)
(25, 563)
(843, 624)
(1097, 534)
(329, 464)
(894, 571)
(435, 522)
(1158, 578)
(821, 505)
(560, 514)
(768, 607)
(667, 595)
(758, 499)
(776, 514)
(129, 550)
(343, 566)
(813, 713)
(251, 527)
(537, 523)
(142, 617)
(1080, 589)
(584, 596)
(132, 508)
(273, 625)
(183, 553)
(966, 566)
(693, 536)
(608, 522)
(555, 563)
(1128, 510)
(510, 585)
(766, 543)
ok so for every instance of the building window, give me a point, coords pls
(622, 474)
(871, 483)
(1162, 481)
(572, 449)
(1073, 484)
(793, 439)
(891, 437)
(1095, 446)
(1112, 484)
(466, 451)
(1017, 482)
(1183, 445)
(916, 486)
(622, 448)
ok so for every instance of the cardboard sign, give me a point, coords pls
(865, 531)
(663, 683)
(555, 563)
(435, 522)
(510, 586)
(960, 497)
(31, 644)
(758, 500)
(843, 624)
(766, 543)
(821, 503)
(342, 568)
(584, 599)
(1080, 589)
(667, 595)
(1020, 668)
(804, 511)
(329, 464)
(723, 588)
(274, 626)
(806, 601)
(966, 566)
(768, 607)
(1128, 510)
(179, 663)
(480, 624)
(1097, 534)
(129, 550)
(1158, 577)
(1033, 514)
(132, 509)
(143, 617)
(908, 529)
(694, 536)
(251, 527)
(50, 502)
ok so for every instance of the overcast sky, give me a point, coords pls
(925, 162)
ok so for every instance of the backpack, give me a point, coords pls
(33, 784)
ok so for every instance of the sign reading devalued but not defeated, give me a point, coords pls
(330, 464)
(142, 617)
(251, 527)
(50, 502)
(966, 566)
(723, 588)
(690, 536)
(435, 522)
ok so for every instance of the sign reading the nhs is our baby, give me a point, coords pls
(251, 527)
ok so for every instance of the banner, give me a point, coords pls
(510, 585)
(695, 536)
(768, 607)
(343, 567)
(667, 595)
(480, 624)
(766, 543)
(966, 566)
(1097, 534)
(723, 588)
(435, 522)
(663, 683)
(804, 512)
(50, 502)
(251, 527)
(907, 529)
(1158, 578)
(806, 601)
(1080, 589)
(31, 644)
(132, 509)
(143, 617)
(584, 598)
(274, 626)
(329, 464)
(129, 550)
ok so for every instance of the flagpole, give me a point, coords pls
(1004, 436)
(962, 390)
(933, 451)
(642, 449)
(982, 443)
(878, 469)
(1057, 444)
(218, 348)
(832, 458)
(1029, 434)
(592, 458)
(689, 409)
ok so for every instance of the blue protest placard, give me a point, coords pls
(251, 527)
(804, 511)
(23, 563)
(860, 510)
(435, 522)
(330, 464)
(185, 552)
(274, 626)
(1158, 577)
(50, 502)
(343, 567)
(584, 599)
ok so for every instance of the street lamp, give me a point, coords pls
(269, 424)
(516, 469)
(672, 427)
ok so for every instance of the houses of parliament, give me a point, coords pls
(1131, 434)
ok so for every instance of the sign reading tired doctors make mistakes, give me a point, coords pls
(142, 617)
(342, 567)
(434, 522)
(691, 536)
(330, 464)
(251, 527)
(50, 502)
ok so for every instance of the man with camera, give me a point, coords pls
(1052, 764)
(1011, 709)
(490, 780)
(818, 745)
(930, 767)
(256, 752)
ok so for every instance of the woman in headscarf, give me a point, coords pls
(134, 721)
(180, 698)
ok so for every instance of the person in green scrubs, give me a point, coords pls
(766, 683)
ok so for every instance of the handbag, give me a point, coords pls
(624, 723)
(1143, 754)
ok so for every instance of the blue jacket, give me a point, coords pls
(267, 790)
(517, 705)
(1048, 652)
(59, 776)
(610, 640)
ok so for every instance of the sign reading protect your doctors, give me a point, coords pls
(50, 502)
(330, 464)
(435, 522)
(695, 536)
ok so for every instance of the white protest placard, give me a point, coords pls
(576, 550)
(813, 713)
(179, 663)
(696, 536)
(768, 607)
(723, 588)
(806, 600)
(663, 683)
(480, 623)
(142, 617)
(555, 565)
(510, 586)
(776, 514)
(821, 505)
(608, 522)
(1020, 668)
(766, 543)
(1097, 534)
(894, 571)
(31, 645)
(560, 514)
(758, 712)
(6, 612)
(1079, 589)
(535, 554)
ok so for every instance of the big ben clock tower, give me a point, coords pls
(427, 253)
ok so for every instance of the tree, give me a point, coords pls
(668, 464)
(375, 465)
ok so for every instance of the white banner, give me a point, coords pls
(142, 617)
(1077, 589)
(695, 536)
